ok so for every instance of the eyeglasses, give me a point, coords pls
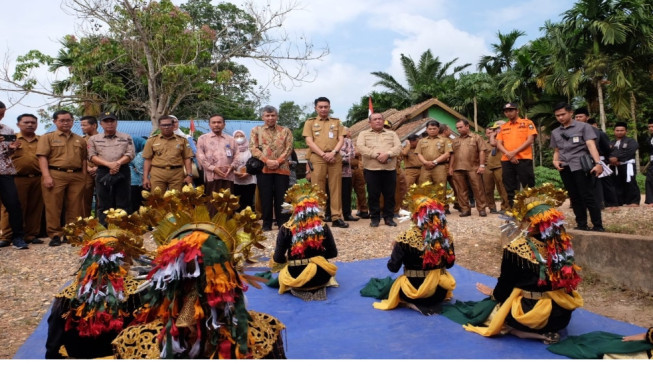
(165, 126)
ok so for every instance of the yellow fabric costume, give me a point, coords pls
(287, 281)
(435, 277)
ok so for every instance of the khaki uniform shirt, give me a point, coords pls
(492, 161)
(111, 148)
(466, 150)
(432, 148)
(167, 151)
(89, 164)
(24, 158)
(325, 132)
(410, 157)
(63, 151)
(370, 143)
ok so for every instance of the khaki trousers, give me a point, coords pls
(493, 178)
(167, 179)
(334, 172)
(437, 175)
(460, 181)
(68, 190)
(412, 176)
(89, 192)
(358, 182)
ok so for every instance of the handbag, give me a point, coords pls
(254, 166)
(586, 163)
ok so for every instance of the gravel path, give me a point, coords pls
(30, 278)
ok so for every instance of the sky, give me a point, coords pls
(362, 36)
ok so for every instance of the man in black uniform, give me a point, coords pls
(649, 171)
(622, 157)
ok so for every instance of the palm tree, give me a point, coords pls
(429, 78)
(504, 53)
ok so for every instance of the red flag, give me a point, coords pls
(192, 127)
(371, 109)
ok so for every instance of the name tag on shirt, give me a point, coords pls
(575, 139)
(330, 134)
(228, 153)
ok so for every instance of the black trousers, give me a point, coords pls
(9, 198)
(381, 182)
(136, 198)
(245, 193)
(581, 194)
(272, 189)
(649, 184)
(609, 191)
(346, 196)
(627, 192)
(112, 191)
(515, 175)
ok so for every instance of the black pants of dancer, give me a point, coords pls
(515, 175)
(581, 194)
(272, 188)
(381, 182)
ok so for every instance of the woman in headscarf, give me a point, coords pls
(244, 183)
(136, 166)
(426, 251)
(304, 243)
(536, 290)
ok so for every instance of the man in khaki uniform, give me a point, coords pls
(324, 136)
(468, 162)
(412, 164)
(89, 128)
(62, 159)
(358, 181)
(379, 148)
(28, 182)
(111, 151)
(493, 175)
(166, 155)
(433, 152)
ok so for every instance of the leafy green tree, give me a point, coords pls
(504, 53)
(290, 115)
(427, 79)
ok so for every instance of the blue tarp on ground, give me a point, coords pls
(347, 326)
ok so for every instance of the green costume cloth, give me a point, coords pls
(469, 312)
(378, 288)
(595, 345)
(272, 281)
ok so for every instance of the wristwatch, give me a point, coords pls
(482, 165)
(435, 162)
(189, 175)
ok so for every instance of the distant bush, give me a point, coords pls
(547, 175)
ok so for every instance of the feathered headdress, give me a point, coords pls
(100, 290)
(196, 287)
(537, 206)
(428, 215)
(306, 226)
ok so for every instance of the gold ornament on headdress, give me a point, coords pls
(182, 211)
(531, 197)
(127, 229)
(418, 194)
(301, 191)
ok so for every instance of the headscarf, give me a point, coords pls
(244, 145)
(139, 144)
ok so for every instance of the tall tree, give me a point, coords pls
(427, 79)
(290, 115)
(504, 53)
(171, 56)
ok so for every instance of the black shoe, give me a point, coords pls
(582, 227)
(374, 223)
(494, 211)
(465, 214)
(327, 218)
(390, 222)
(55, 242)
(19, 243)
(363, 215)
(4, 243)
(37, 241)
(447, 212)
(339, 223)
(598, 228)
(351, 218)
(482, 213)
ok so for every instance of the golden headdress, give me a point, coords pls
(418, 194)
(528, 199)
(304, 190)
(178, 212)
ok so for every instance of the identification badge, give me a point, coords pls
(317, 133)
(330, 134)
(228, 153)
(575, 139)
(625, 145)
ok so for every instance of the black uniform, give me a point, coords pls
(627, 191)
(649, 174)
